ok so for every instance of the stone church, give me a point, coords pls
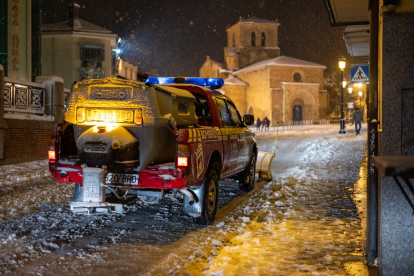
(263, 83)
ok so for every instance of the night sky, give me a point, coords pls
(174, 37)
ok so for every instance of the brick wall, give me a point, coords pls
(26, 143)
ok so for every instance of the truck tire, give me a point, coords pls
(210, 198)
(247, 177)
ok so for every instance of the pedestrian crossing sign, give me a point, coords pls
(359, 73)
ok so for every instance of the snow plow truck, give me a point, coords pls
(150, 139)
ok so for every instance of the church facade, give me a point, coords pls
(263, 83)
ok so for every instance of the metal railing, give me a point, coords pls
(295, 125)
(23, 96)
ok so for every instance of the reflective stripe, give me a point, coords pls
(190, 136)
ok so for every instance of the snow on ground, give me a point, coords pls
(304, 222)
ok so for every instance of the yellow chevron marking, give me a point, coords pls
(190, 136)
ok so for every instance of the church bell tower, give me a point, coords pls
(251, 40)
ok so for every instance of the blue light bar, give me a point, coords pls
(213, 83)
(159, 80)
(196, 81)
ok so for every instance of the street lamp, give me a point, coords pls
(360, 95)
(342, 64)
(350, 89)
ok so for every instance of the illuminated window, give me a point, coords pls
(263, 39)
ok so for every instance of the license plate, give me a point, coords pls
(109, 115)
(122, 179)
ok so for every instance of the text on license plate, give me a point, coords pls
(123, 179)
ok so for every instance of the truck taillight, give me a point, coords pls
(138, 117)
(51, 154)
(182, 161)
(80, 115)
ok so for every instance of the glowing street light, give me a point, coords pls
(350, 89)
(342, 65)
(360, 95)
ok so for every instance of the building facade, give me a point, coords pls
(263, 83)
(77, 50)
(20, 23)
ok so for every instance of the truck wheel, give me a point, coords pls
(247, 177)
(210, 198)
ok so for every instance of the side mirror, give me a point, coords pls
(248, 120)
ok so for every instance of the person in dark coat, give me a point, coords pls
(258, 123)
(358, 119)
(267, 123)
(264, 124)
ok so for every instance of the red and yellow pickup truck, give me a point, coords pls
(150, 139)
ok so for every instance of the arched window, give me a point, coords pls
(253, 39)
(263, 39)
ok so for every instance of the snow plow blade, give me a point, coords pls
(263, 164)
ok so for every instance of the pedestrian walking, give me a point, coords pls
(258, 123)
(267, 123)
(357, 118)
(264, 124)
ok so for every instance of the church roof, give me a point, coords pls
(234, 80)
(258, 20)
(281, 61)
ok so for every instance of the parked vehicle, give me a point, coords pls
(165, 137)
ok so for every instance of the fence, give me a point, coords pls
(299, 124)
(28, 111)
(24, 97)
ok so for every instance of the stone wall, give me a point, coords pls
(242, 31)
(237, 93)
(209, 69)
(396, 223)
(258, 94)
(280, 73)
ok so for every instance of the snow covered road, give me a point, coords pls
(304, 222)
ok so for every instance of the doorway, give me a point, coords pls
(297, 113)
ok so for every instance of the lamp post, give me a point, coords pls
(342, 63)
(360, 95)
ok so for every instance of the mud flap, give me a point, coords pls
(90, 198)
(263, 165)
(195, 208)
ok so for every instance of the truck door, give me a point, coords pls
(239, 127)
(230, 137)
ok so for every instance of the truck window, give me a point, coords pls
(201, 107)
(224, 113)
(235, 117)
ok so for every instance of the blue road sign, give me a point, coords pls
(359, 73)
